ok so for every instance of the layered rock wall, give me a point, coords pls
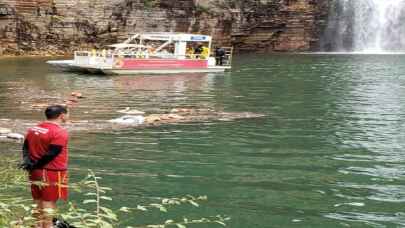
(61, 26)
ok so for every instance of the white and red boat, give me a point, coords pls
(152, 53)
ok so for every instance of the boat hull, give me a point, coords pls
(64, 65)
(163, 71)
(69, 65)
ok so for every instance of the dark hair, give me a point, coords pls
(54, 111)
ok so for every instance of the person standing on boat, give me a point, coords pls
(219, 55)
(198, 50)
(205, 52)
(45, 157)
(93, 52)
(190, 53)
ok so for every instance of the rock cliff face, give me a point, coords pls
(61, 26)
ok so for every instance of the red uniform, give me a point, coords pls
(50, 182)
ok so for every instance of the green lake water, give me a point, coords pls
(329, 153)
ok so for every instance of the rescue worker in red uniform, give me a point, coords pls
(45, 157)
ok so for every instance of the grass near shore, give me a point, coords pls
(16, 206)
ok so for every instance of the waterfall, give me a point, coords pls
(365, 26)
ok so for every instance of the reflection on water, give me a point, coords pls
(330, 152)
(178, 83)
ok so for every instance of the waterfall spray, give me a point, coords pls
(366, 26)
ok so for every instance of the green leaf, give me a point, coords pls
(26, 208)
(193, 203)
(110, 216)
(28, 218)
(90, 194)
(180, 225)
(107, 210)
(104, 224)
(162, 209)
(202, 198)
(106, 198)
(220, 222)
(89, 201)
(106, 188)
(142, 208)
(169, 221)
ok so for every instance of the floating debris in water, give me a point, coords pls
(16, 136)
(128, 120)
(77, 94)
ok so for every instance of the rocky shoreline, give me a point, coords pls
(36, 55)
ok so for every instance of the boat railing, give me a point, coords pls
(160, 56)
(228, 55)
(109, 59)
(186, 56)
(81, 58)
(143, 54)
(98, 58)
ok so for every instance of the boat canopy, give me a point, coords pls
(180, 41)
(167, 36)
(125, 45)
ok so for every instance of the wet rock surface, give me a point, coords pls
(56, 27)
